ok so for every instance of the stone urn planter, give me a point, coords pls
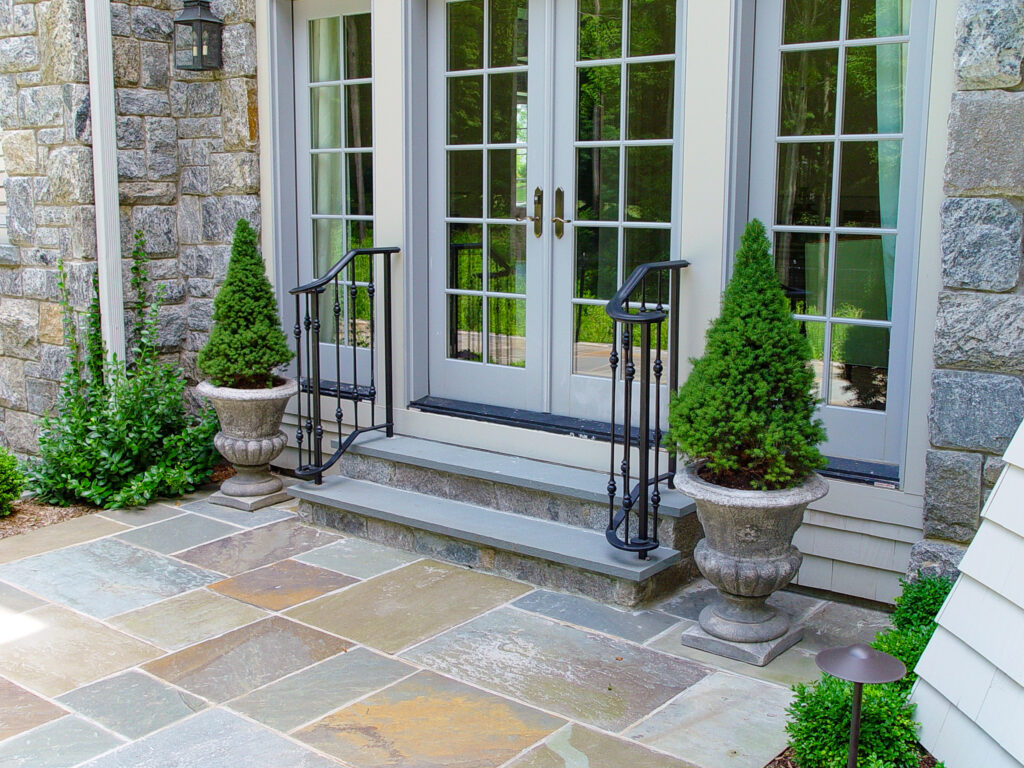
(250, 437)
(747, 553)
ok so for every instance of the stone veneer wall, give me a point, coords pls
(977, 390)
(187, 169)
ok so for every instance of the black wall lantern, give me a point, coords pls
(197, 37)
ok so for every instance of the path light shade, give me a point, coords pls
(859, 664)
(197, 37)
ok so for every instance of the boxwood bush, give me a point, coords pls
(12, 481)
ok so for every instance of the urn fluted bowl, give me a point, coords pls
(250, 435)
(747, 552)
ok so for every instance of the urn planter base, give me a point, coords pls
(249, 503)
(758, 654)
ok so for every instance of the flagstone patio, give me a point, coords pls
(186, 634)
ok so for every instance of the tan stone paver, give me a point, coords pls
(282, 585)
(578, 746)
(75, 531)
(21, 710)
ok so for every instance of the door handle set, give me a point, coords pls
(538, 213)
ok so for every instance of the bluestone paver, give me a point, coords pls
(58, 744)
(52, 537)
(577, 747)
(237, 516)
(637, 626)
(178, 533)
(16, 601)
(358, 557)
(257, 547)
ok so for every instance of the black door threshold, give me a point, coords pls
(851, 470)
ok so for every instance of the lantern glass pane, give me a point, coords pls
(185, 48)
(211, 46)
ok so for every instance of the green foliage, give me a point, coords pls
(246, 343)
(907, 645)
(120, 434)
(747, 407)
(819, 726)
(12, 481)
(920, 601)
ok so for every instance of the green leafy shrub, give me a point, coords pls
(246, 343)
(120, 434)
(907, 645)
(819, 726)
(747, 407)
(12, 481)
(920, 601)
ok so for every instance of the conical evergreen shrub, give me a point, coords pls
(747, 408)
(246, 343)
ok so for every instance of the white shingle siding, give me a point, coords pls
(970, 693)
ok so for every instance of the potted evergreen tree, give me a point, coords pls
(245, 347)
(745, 421)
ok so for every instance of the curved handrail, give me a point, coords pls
(343, 262)
(614, 308)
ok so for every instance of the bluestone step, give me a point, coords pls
(580, 548)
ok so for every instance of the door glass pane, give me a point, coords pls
(864, 274)
(811, 21)
(465, 110)
(327, 183)
(357, 46)
(328, 243)
(360, 234)
(815, 333)
(597, 262)
(506, 335)
(592, 338)
(506, 258)
(465, 328)
(804, 194)
(600, 97)
(801, 260)
(360, 183)
(324, 45)
(325, 116)
(860, 366)
(649, 183)
(465, 256)
(879, 18)
(466, 184)
(650, 100)
(465, 35)
(509, 29)
(652, 27)
(507, 196)
(808, 100)
(508, 108)
(642, 246)
(359, 107)
(869, 184)
(873, 101)
(597, 184)
(600, 29)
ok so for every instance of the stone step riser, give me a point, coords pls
(680, 533)
(500, 562)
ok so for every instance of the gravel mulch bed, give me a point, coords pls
(785, 760)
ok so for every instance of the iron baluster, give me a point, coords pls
(307, 323)
(353, 292)
(314, 362)
(338, 414)
(297, 333)
(389, 413)
(613, 363)
(673, 359)
(628, 498)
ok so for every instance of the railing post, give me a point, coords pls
(673, 360)
(314, 362)
(389, 411)
(644, 443)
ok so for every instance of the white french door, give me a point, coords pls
(553, 167)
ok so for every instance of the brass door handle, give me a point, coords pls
(559, 222)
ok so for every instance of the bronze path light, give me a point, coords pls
(859, 664)
(197, 37)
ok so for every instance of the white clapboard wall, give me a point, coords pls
(970, 693)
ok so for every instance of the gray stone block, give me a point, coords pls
(79, 282)
(19, 328)
(142, 102)
(82, 230)
(195, 180)
(974, 411)
(196, 262)
(200, 315)
(131, 164)
(70, 175)
(172, 326)
(952, 496)
(39, 283)
(53, 362)
(161, 148)
(41, 106)
(200, 287)
(993, 468)
(152, 24)
(199, 127)
(239, 50)
(221, 214)
(935, 558)
(984, 155)
(989, 44)
(159, 226)
(129, 133)
(78, 122)
(64, 54)
(238, 105)
(155, 59)
(120, 19)
(10, 283)
(147, 192)
(41, 395)
(980, 331)
(127, 62)
(190, 229)
(235, 173)
(12, 383)
(234, 11)
(19, 54)
(8, 102)
(21, 223)
(23, 20)
(21, 432)
(9, 256)
(201, 99)
(981, 243)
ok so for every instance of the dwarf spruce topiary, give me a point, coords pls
(246, 343)
(747, 407)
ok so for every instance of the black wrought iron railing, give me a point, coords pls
(344, 343)
(639, 316)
